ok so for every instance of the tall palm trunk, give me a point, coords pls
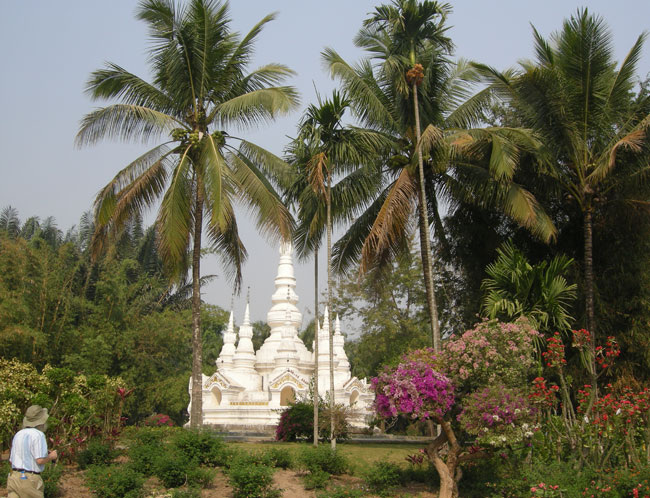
(316, 346)
(589, 292)
(425, 244)
(329, 303)
(196, 410)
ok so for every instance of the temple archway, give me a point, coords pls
(354, 397)
(287, 395)
(216, 395)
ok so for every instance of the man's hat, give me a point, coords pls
(34, 416)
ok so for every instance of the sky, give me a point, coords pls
(50, 49)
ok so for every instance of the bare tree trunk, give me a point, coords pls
(425, 244)
(316, 400)
(196, 410)
(329, 304)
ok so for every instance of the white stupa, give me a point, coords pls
(250, 389)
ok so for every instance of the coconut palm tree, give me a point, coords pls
(200, 87)
(463, 164)
(331, 150)
(580, 103)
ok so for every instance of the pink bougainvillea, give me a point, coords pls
(414, 389)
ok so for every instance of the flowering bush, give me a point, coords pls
(497, 416)
(158, 420)
(414, 389)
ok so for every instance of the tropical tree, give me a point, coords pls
(200, 86)
(580, 104)
(347, 196)
(9, 222)
(334, 149)
(463, 164)
(540, 292)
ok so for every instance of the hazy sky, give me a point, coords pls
(50, 48)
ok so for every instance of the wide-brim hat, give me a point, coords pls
(35, 416)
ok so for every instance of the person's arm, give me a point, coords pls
(52, 455)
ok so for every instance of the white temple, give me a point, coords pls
(250, 388)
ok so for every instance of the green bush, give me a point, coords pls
(252, 481)
(51, 477)
(280, 457)
(115, 481)
(341, 492)
(202, 447)
(186, 493)
(323, 458)
(316, 479)
(200, 476)
(382, 477)
(5, 468)
(96, 453)
(143, 457)
(171, 467)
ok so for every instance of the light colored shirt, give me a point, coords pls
(28, 445)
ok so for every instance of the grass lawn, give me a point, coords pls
(360, 455)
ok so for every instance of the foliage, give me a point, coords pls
(157, 420)
(296, 422)
(186, 493)
(116, 481)
(280, 457)
(5, 468)
(51, 477)
(341, 492)
(252, 481)
(171, 467)
(96, 453)
(323, 458)
(315, 479)
(383, 477)
(539, 292)
(202, 447)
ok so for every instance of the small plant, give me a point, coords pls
(115, 481)
(143, 457)
(323, 458)
(200, 476)
(252, 481)
(279, 457)
(296, 422)
(185, 493)
(158, 420)
(316, 479)
(171, 468)
(382, 477)
(201, 447)
(5, 468)
(96, 453)
(341, 492)
(51, 477)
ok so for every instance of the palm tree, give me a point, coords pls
(334, 149)
(539, 292)
(464, 164)
(579, 102)
(200, 87)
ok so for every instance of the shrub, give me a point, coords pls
(201, 447)
(115, 481)
(316, 479)
(158, 420)
(171, 468)
(252, 481)
(296, 422)
(96, 453)
(185, 493)
(51, 477)
(143, 457)
(341, 492)
(5, 468)
(341, 425)
(200, 476)
(280, 457)
(382, 477)
(323, 458)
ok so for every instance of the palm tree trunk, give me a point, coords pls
(425, 244)
(316, 346)
(196, 410)
(589, 292)
(329, 304)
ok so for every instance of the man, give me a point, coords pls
(29, 456)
